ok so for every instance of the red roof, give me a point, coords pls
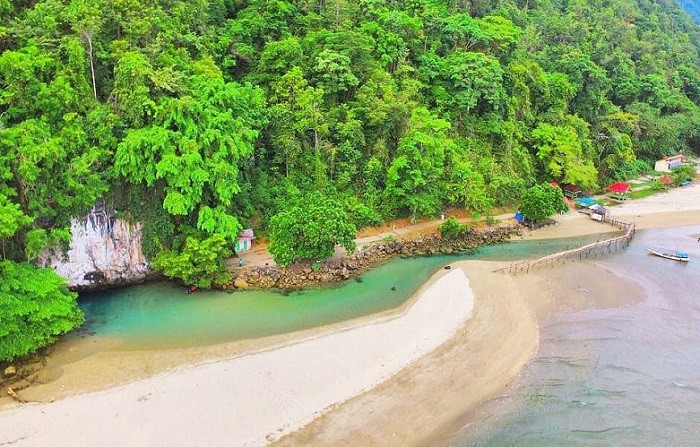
(555, 184)
(665, 179)
(619, 187)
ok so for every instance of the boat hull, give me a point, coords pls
(668, 255)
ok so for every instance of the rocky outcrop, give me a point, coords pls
(300, 275)
(104, 251)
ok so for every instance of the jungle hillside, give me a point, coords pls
(200, 118)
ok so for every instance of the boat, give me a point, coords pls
(669, 254)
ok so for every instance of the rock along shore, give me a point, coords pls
(301, 275)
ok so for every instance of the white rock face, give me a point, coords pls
(103, 251)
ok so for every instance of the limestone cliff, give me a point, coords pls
(103, 251)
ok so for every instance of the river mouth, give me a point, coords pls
(161, 316)
(133, 333)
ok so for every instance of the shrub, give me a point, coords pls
(310, 230)
(35, 308)
(542, 201)
(451, 229)
(683, 172)
(200, 263)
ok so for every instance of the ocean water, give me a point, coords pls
(624, 376)
(161, 315)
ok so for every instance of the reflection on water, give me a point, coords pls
(621, 376)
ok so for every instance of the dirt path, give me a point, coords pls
(399, 229)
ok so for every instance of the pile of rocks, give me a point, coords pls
(300, 275)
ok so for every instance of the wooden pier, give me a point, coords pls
(594, 249)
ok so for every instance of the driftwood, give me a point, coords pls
(13, 394)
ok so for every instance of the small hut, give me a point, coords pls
(598, 212)
(571, 191)
(245, 240)
(584, 202)
(667, 164)
(619, 190)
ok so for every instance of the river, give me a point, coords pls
(162, 316)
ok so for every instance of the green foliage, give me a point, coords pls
(452, 229)
(360, 214)
(310, 229)
(39, 239)
(631, 170)
(414, 177)
(11, 217)
(35, 308)
(200, 262)
(682, 173)
(196, 145)
(560, 149)
(541, 201)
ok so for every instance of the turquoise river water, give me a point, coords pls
(161, 315)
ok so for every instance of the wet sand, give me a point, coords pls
(416, 406)
(433, 397)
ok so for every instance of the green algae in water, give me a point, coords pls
(160, 315)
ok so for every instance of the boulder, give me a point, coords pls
(240, 283)
(10, 371)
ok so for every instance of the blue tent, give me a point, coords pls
(519, 217)
(585, 201)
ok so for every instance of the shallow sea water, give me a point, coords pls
(624, 376)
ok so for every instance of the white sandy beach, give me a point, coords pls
(252, 399)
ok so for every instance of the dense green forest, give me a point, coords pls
(199, 117)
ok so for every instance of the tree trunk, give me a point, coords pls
(88, 37)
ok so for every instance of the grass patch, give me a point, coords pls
(641, 193)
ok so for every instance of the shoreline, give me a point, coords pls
(291, 384)
(415, 421)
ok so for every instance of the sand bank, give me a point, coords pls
(251, 399)
(482, 358)
(427, 402)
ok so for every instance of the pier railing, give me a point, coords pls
(594, 249)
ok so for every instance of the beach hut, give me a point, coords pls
(571, 191)
(597, 212)
(667, 164)
(245, 240)
(584, 202)
(619, 190)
